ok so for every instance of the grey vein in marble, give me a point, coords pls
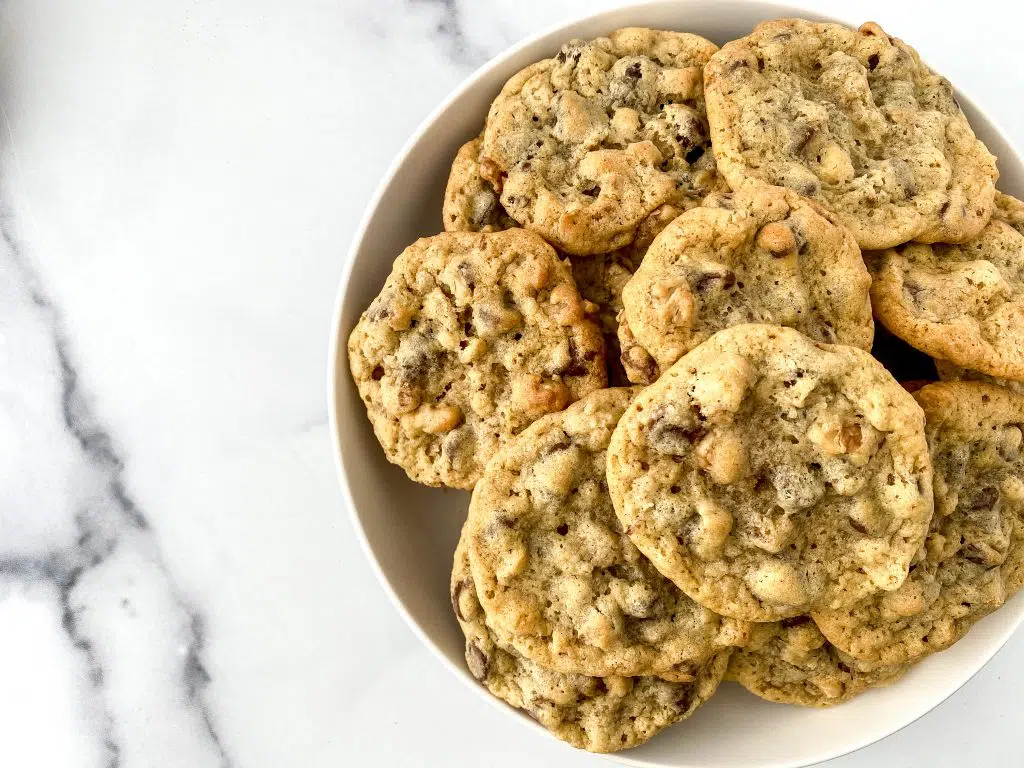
(453, 35)
(95, 546)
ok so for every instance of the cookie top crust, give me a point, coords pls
(768, 475)
(855, 120)
(599, 714)
(791, 662)
(760, 255)
(962, 303)
(584, 146)
(974, 432)
(472, 338)
(559, 580)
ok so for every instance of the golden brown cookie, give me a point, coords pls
(583, 147)
(599, 714)
(974, 433)
(855, 120)
(769, 475)
(962, 303)
(760, 255)
(791, 662)
(472, 338)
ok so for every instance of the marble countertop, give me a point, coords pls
(179, 582)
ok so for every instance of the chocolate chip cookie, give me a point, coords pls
(791, 662)
(974, 432)
(962, 303)
(599, 714)
(559, 580)
(761, 255)
(768, 475)
(473, 337)
(585, 146)
(855, 120)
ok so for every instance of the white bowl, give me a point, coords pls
(409, 531)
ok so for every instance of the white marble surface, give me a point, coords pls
(179, 583)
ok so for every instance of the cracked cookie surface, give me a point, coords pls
(974, 433)
(472, 338)
(761, 255)
(599, 714)
(854, 120)
(584, 146)
(559, 580)
(791, 662)
(962, 303)
(768, 475)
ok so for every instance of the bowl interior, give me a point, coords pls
(410, 531)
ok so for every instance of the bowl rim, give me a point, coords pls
(337, 362)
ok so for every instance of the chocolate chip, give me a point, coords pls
(642, 368)
(983, 555)
(808, 188)
(465, 270)
(705, 281)
(457, 591)
(633, 71)
(478, 662)
(378, 373)
(858, 527)
(562, 530)
(872, 61)
(913, 290)
(379, 309)
(685, 701)
(799, 134)
(675, 439)
(457, 445)
(984, 499)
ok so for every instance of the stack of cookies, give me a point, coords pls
(758, 497)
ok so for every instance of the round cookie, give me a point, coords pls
(791, 662)
(951, 372)
(472, 338)
(599, 714)
(471, 205)
(761, 255)
(768, 475)
(559, 580)
(854, 120)
(974, 432)
(963, 303)
(584, 146)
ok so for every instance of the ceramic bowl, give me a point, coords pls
(409, 531)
